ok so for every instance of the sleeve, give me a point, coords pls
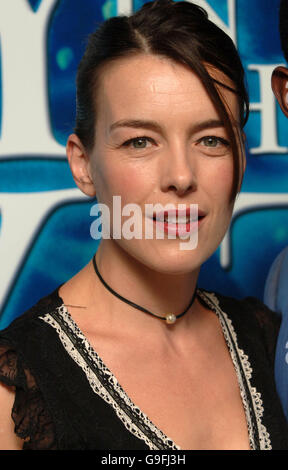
(32, 420)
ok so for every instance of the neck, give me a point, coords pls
(158, 292)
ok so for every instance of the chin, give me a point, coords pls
(170, 262)
(165, 258)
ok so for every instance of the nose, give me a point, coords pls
(179, 172)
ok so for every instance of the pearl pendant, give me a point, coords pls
(170, 318)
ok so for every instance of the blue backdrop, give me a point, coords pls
(59, 241)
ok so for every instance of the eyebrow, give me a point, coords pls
(154, 126)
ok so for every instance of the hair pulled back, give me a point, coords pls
(180, 31)
(283, 27)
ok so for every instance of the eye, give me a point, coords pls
(214, 146)
(138, 143)
(213, 141)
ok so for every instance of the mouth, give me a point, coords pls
(179, 216)
(179, 222)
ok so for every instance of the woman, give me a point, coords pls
(128, 354)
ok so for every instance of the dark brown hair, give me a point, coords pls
(180, 31)
(283, 27)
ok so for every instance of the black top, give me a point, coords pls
(66, 398)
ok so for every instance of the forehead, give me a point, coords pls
(146, 84)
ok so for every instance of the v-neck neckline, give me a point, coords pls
(106, 385)
(95, 358)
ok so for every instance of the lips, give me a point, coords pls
(178, 216)
(178, 222)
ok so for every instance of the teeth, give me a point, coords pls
(181, 220)
(177, 220)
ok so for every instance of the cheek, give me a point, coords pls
(131, 182)
(218, 179)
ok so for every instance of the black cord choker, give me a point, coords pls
(169, 318)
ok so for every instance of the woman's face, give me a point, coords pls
(159, 139)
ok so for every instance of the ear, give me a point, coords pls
(79, 162)
(280, 87)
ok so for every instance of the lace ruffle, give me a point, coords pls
(32, 421)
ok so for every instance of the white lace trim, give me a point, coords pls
(97, 386)
(231, 340)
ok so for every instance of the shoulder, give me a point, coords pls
(25, 343)
(250, 308)
(254, 324)
(25, 335)
(31, 319)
